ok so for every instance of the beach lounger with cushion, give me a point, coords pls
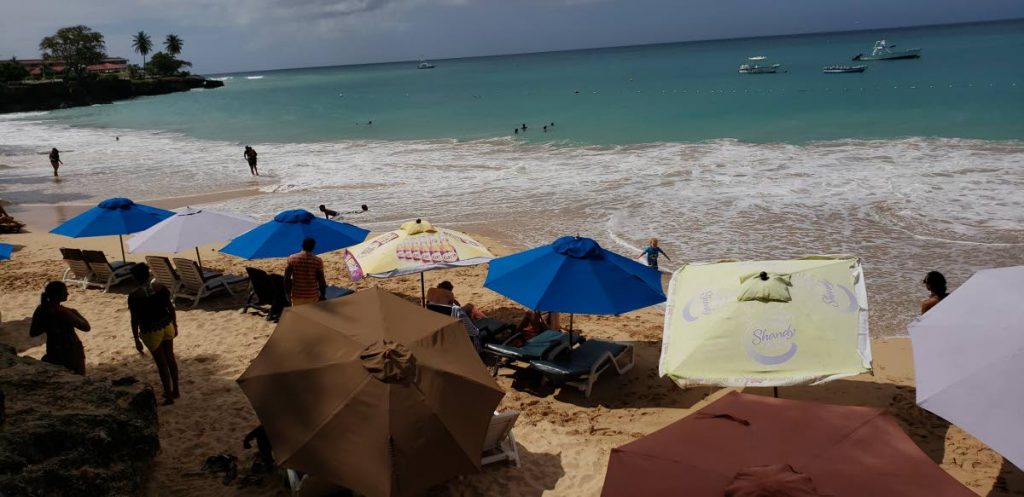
(78, 270)
(500, 443)
(482, 329)
(546, 345)
(163, 272)
(195, 285)
(106, 274)
(582, 366)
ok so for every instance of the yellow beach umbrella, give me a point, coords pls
(416, 247)
(766, 323)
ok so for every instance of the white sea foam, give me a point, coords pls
(906, 206)
(254, 77)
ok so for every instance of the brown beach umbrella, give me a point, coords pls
(372, 393)
(750, 446)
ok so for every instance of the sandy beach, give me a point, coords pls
(564, 438)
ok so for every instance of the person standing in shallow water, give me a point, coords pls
(155, 325)
(250, 156)
(935, 282)
(55, 160)
(63, 347)
(652, 251)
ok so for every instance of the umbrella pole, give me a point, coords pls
(775, 392)
(199, 261)
(123, 258)
(423, 292)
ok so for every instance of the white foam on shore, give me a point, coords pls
(904, 205)
(254, 77)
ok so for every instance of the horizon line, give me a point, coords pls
(608, 47)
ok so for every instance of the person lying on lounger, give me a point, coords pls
(533, 322)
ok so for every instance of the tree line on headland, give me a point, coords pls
(74, 70)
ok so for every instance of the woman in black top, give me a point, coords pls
(155, 324)
(55, 160)
(63, 347)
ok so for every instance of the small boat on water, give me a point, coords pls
(843, 69)
(884, 51)
(425, 65)
(757, 66)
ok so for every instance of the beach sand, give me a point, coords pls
(564, 438)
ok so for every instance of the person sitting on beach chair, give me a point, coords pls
(442, 294)
(534, 322)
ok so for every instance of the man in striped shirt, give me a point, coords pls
(304, 277)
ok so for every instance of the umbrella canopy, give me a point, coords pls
(416, 247)
(969, 359)
(575, 275)
(746, 445)
(283, 236)
(113, 216)
(188, 229)
(5, 251)
(806, 322)
(372, 393)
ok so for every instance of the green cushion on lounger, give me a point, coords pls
(535, 348)
(580, 361)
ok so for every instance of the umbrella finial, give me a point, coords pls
(418, 221)
(763, 276)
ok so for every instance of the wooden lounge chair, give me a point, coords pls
(582, 366)
(78, 270)
(500, 443)
(195, 286)
(106, 274)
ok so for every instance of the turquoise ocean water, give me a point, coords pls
(913, 165)
(965, 86)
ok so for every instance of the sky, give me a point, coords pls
(242, 35)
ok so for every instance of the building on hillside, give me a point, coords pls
(109, 65)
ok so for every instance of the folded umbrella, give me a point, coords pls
(283, 235)
(113, 216)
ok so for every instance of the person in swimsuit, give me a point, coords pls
(935, 282)
(443, 294)
(652, 251)
(55, 160)
(250, 156)
(155, 325)
(63, 347)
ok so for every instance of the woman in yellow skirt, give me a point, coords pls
(155, 325)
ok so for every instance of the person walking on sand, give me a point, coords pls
(935, 282)
(63, 347)
(55, 160)
(304, 279)
(652, 251)
(155, 325)
(250, 156)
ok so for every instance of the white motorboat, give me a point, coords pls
(757, 66)
(425, 65)
(844, 69)
(884, 51)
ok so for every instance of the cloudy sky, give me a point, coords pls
(240, 35)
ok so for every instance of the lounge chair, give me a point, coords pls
(163, 272)
(78, 270)
(500, 443)
(10, 225)
(546, 345)
(483, 329)
(582, 366)
(266, 293)
(334, 292)
(195, 285)
(106, 274)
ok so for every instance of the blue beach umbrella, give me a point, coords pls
(113, 216)
(283, 236)
(575, 275)
(5, 251)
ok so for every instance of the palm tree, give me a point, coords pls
(142, 44)
(173, 45)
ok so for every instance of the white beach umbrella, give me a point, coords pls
(969, 359)
(190, 228)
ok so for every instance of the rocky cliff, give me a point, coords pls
(63, 435)
(23, 97)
